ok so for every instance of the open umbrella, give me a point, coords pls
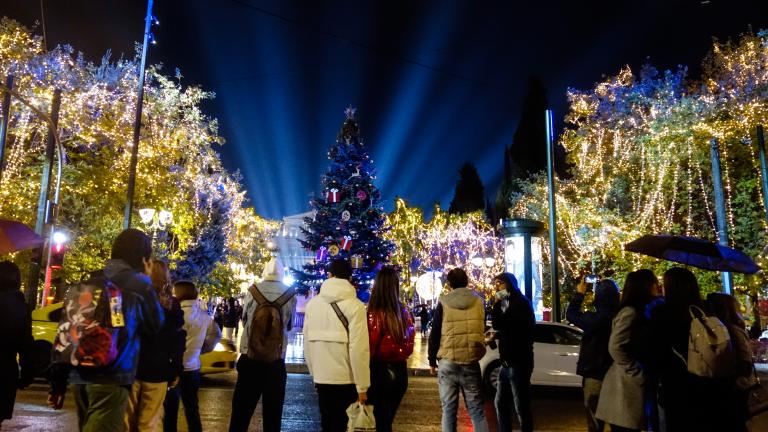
(694, 252)
(15, 236)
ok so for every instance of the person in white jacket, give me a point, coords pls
(202, 335)
(337, 355)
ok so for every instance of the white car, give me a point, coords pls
(555, 353)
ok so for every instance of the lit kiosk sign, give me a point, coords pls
(522, 257)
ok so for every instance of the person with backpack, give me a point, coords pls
(685, 400)
(160, 359)
(202, 335)
(16, 337)
(97, 345)
(336, 346)
(269, 310)
(512, 318)
(390, 336)
(735, 388)
(594, 359)
(622, 402)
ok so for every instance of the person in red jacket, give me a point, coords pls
(390, 336)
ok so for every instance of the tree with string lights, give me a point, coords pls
(639, 148)
(348, 221)
(178, 168)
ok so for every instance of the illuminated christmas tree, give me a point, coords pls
(348, 222)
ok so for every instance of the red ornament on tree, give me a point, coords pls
(332, 195)
(361, 195)
(346, 243)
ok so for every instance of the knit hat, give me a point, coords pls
(273, 270)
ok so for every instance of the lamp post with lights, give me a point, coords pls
(155, 221)
(149, 20)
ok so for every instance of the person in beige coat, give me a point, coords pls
(622, 397)
(456, 343)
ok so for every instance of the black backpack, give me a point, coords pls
(265, 341)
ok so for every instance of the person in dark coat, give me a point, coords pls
(684, 399)
(424, 319)
(514, 322)
(594, 359)
(160, 358)
(16, 337)
(231, 319)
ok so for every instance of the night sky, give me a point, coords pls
(435, 83)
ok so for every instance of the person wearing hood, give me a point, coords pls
(16, 334)
(512, 318)
(594, 359)
(456, 344)
(336, 347)
(258, 376)
(101, 393)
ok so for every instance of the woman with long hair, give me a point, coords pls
(160, 358)
(735, 389)
(622, 402)
(680, 392)
(390, 334)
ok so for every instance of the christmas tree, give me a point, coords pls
(348, 222)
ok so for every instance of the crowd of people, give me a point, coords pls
(639, 362)
(638, 370)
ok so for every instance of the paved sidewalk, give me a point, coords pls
(418, 364)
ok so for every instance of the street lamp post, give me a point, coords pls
(155, 220)
(148, 20)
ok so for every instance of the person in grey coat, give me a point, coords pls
(623, 394)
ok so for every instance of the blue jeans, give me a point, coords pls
(452, 378)
(514, 381)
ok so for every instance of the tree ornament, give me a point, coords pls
(332, 195)
(357, 261)
(361, 195)
(345, 215)
(333, 250)
(322, 254)
(346, 243)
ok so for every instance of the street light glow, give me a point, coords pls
(59, 237)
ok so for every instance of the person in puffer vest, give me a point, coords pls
(259, 379)
(456, 343)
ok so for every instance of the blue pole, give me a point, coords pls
(553, 283)
(137, 121)
(722, 223)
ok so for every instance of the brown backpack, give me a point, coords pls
(265, 342)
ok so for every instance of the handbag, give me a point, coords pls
(360, 418)
(391, 374)
(757, 397)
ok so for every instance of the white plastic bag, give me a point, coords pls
(360, 418)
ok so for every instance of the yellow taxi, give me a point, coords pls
(46, 319)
